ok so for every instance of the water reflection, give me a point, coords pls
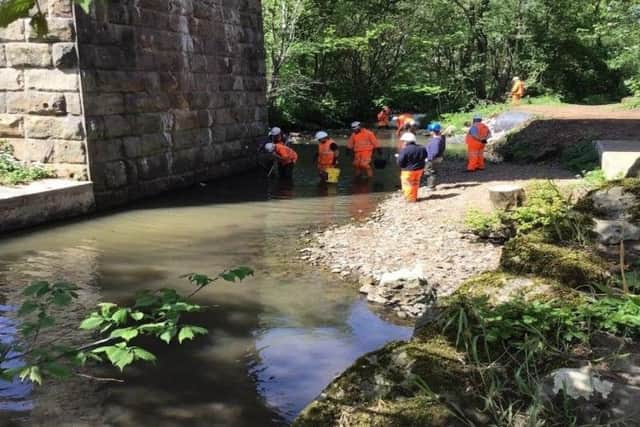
(14, 396)
(294, 363)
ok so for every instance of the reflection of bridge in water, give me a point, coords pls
(14, 396)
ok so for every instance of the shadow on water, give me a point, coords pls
(15, 395)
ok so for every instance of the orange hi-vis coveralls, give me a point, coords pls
(383, 118)
(517, 91)
(401, 121)
(363, 143)
(286, 155)
(475, 140)
(326, 156)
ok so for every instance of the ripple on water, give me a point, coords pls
(14, 396)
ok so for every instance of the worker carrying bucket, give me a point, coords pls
(327, 158)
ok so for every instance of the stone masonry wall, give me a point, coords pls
(40, 107)
(174, 92)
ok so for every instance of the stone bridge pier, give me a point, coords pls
(139, 96)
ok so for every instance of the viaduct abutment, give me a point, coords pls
(139, 96)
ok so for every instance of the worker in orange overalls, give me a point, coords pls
(327, 156)
(517, 91)
(383, 117)
(402, 121)
(412, 162)
(361, 143)
(285, 156)
(476, 139)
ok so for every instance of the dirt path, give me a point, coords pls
(429, 233)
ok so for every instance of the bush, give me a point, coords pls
(13, 172)
(580, 157)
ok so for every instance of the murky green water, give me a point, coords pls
(275, 340)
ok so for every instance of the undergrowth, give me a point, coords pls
(580, 158)
(13, 172)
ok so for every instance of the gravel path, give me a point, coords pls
(429, 234)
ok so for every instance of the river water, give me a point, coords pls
(275, 340)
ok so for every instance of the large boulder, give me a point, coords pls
(406, 291)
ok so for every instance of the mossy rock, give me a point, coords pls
(615, 200)
(569, 266)
(379, 388)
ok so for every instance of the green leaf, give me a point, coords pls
(92, 322)
(120, 316)
(84, 4)
(137, 315)
(143, 354)
(62, 298)
(57, 370)
(199, 280)
(168, 335)
(32, 373)
(239, 273)
(12, 10)
(186, 333)
(27, 307)
(126, 334)
(106, 308)
(146, 300)
(120, 357)
(36, 288)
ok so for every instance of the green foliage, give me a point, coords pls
(484, 224)
(580, 158)
(12, 172)
(12, 10)
(155, 314)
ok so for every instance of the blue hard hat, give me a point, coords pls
(436, 127)
(430, 127)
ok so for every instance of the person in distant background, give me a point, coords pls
(361, 144)
(383, 117)
(327, 155)
(435, 147)
(517, 91)
(401, 123)
(476, 139)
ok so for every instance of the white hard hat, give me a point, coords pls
(408, 137)
(269, 147)
(275, 131)
(355, 125)
(516, 78)
(321, 135)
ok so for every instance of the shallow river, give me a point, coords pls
(275, 341)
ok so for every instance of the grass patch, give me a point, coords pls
(13, 172)
(456, 152)
(632, 103)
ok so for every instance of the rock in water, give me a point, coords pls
(506, 196)
(406, 290)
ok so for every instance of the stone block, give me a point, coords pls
(191, 138)
(187, 160)
(31, 55)
(11, 126)
(144, 103)
(107, 150)
(43, 127)
(3, 58)
(3, 102)
(73, 103)
(60, 30)
(52, 80)
(14, 32)
(153, 167)
(41, 103)
(154, 143)
(153, 123)
(185, 119)
(117, 125)
(132, 146)
(119, 81)
(64, 55)
(11, 79)
(69, 152)
(60, 8)
(95, 127)
(110, 174)
(619, 158)
(104, 104)
(71, 171)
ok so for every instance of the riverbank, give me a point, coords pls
(429, 235)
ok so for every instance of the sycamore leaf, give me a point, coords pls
(92, 322)
(12, 10)
(36, 288)
(126, 334)
(143, 354)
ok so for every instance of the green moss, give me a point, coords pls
(379, 388)
(569, 266)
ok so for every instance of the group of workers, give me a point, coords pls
(415, 161)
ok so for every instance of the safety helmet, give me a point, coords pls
(436, 127)
(477, 118)
(321, 135)
(430, 127)
(275, 131)
(269, 147)
(355, 125)
(516, 78)
(408, 137)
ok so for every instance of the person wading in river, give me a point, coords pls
(327, 156)
(476, 139)
(361, 143)
(383, 117)
(412, 162)
(435, 147)
(286, 158)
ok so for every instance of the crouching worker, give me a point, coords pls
(327, 156)
(411, 161)
(436, 147)
(286, 158)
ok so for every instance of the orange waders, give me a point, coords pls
(363, 143)
(410, 181)
(478, 133)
